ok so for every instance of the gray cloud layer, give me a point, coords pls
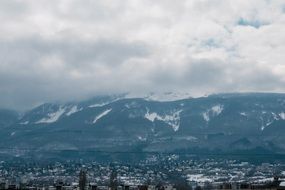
(72, 49)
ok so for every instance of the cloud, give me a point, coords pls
(37, 69)
(74, 49)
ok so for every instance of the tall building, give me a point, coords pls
(82, 180)
(113, 180)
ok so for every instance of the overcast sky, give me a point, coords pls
(73, 49)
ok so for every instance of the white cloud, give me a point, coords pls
(72, 48)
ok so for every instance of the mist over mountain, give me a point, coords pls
(250, 123)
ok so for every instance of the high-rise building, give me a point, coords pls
(82, 180)
(113, 180)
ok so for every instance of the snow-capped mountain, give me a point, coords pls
(51, 112)
(222, 122)
(162, 96)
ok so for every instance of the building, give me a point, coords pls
(82, 180)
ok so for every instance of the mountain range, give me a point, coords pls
(220, 123)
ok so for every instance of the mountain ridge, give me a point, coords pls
(223, 123)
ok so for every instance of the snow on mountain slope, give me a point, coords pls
(212, 112)
(282, 115)
(206, 116)
(161, 97)
(52, 117)
(104, 103)
(73, 110)
(24, 123)
(217, 109)
(167, 97)
(101, 115)
(98, 105)
(172, 119)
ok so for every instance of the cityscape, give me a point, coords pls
(157, 172)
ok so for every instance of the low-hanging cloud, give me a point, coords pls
(68, 50)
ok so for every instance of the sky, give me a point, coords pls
(67, 50)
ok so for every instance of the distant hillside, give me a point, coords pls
(224, 123)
